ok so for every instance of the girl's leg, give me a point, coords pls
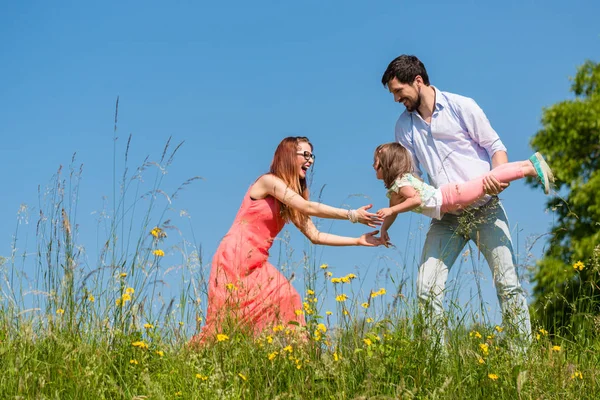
(457, 196)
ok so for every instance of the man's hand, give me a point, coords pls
(493, 186)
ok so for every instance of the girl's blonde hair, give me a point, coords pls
(394, 161)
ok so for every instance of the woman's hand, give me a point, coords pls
(367, 218)
(369, 239)
(385, 212)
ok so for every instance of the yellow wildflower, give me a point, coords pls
(328, 312)
(577, 374)
(336, 357)
(555, 348)
(133, 362)
(123, 274)
(324, 266)
(341, 297)
(310, 292)
(126, 297)
(345, 312)
(231, 286)
(271, 356)
(288, 348)
(380, 292)
(277, 328)
(202, 377)
(484, 348)
(365, 305)
(242, 376)
(475, 334)
(329, 274)
(178, 394)
(578, 266)
(130, 290)
(499, 329)
(269, 339)
(91, 298)
(543, 332)
(367, 341)
(369, 320)
(158, 233)
(140, 344)
(350, 276)
(493, 377)
(336, 280)
(148, 326)
(158, 253)
(119, 302)
(60, 311)
(222, 337)
(322, 328)
(160, 353)
(481, 360)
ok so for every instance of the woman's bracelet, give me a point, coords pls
(353, 216)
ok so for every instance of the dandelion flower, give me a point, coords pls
(329, 274)
(148, 326)
(160, 353)
(322, 328)
(365, 305)
(271, 356)
(126, 297)
(484, 348)
(288, 348)
(555, 348)
(243, 376)
(367, 341)
(277, 328)
(158, 233)
(140, 344)
(499, 329)
(231, 286)
(310, 292)
(123, 274)
(475, 334)
(91, 298)
(133, 362)
(119, 302)
(130, 290)
(158, 253)
(341, 297)
(269, 339)
(328, 312)
(578, 266)
(336, 357)
(543, 332)
(222, 337)
(324, 266)
(493, 377)
(481, 360)
(60, 311)
(577, 374)
(202, 377)
(369, 320)
(336, 280)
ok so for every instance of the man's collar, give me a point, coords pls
(440, 99)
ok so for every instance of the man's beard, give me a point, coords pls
(413, 107)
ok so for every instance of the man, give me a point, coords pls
(450, 137)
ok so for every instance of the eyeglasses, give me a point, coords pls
(307, 155)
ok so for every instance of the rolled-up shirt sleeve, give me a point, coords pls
(479, 127)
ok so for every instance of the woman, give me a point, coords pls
(245, 291)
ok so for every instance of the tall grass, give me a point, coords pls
(107, 328)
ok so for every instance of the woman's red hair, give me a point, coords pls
(284, 166)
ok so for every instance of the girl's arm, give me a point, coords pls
(312, 233)
(270, 185)
(406, 199)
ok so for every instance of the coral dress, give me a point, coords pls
(244, 290)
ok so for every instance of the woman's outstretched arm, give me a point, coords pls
(270, 185)
(312, 233)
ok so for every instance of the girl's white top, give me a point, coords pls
(431, 198)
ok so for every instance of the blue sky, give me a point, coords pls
(232, 78)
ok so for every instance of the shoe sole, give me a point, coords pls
(546, 172)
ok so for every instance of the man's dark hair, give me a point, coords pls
(405, 68)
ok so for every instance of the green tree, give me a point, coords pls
(566, 297)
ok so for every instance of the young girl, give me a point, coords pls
(393, 165)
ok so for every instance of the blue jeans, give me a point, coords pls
(446, 238)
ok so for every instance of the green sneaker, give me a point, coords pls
(545, 175)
